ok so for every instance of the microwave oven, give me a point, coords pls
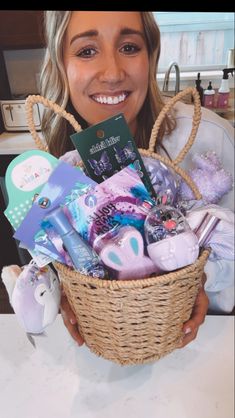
(14, 115)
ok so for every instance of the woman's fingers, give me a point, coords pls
(190, 328)
(70, 319)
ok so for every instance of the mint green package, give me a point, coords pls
(25, 177)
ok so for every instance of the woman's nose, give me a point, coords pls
(112, 69)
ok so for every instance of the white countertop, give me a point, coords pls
(60, 380)
(16, 142)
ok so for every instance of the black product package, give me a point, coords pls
(108, 147)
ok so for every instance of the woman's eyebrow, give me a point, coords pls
(130, 31)
(93, 32)
(88, 33)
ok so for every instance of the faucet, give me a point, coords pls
(167, 76)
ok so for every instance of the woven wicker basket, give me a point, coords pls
(133, 321)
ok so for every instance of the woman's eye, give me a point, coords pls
(130, 49)
(86, 53)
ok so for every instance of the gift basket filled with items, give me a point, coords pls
(127, 230)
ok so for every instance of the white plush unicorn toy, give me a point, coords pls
(34, 294)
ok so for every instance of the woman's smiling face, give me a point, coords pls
(107, 65)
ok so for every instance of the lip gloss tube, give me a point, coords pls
(205, 229)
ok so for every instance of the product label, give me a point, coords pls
(108, 147)
(31, 173)
(25, 177)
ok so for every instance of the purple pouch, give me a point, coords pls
(120, 200)
(64, 184)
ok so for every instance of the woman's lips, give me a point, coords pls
(108, 99)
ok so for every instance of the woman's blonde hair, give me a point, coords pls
(54, 86)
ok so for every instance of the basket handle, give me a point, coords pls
(195, 122)
(33, 99)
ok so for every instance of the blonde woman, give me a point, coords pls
(98, 64)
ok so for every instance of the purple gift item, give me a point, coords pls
(205, 228)
(122, 199)
(165, 182)
(125, 254)
(34, 294)
(212, 180)
(83, 256)
(171, 242)
(64, 185)
(214, 227)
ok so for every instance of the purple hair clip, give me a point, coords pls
(125, 153)
(102, 165)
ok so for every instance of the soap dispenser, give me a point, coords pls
(199, 87)
(223, 92)
(209, 96)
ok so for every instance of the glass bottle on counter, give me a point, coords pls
(209, 97)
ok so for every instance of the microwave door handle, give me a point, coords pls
(10, 110)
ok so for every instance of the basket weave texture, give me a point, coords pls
(133, 321)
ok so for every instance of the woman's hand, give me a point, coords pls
(69, 319)
(199, 312)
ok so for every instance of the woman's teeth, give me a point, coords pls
(110, 100)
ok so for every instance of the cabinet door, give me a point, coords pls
(10, 253)
(21, 29)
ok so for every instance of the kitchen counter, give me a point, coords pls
(16, 142)
(227, 114)
(59, 379)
